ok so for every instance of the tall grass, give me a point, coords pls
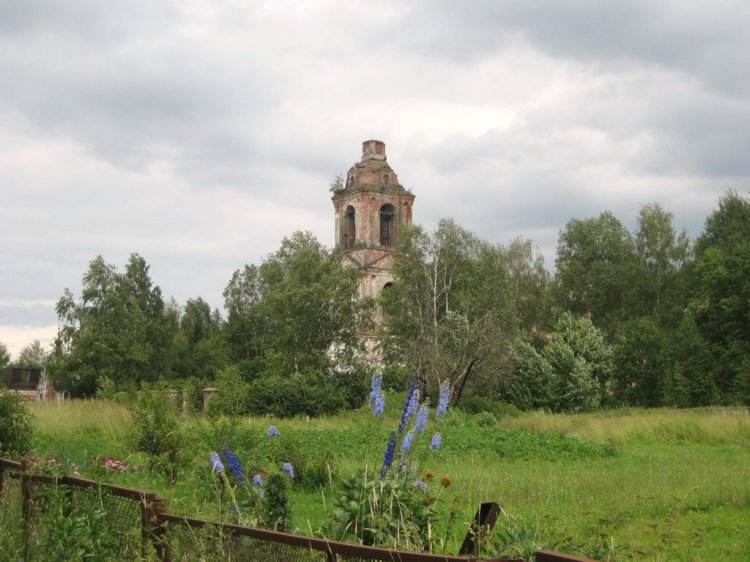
(628, 427)
(658, 484)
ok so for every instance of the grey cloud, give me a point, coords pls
(703, 39)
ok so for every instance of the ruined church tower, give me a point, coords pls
(370, 210)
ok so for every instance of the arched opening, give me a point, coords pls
(350, 227)
(387, 225)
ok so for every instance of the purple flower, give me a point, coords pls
(257, 480)
(234, 464)
(379, 407)
(375, 388)
(422, 415)
(437, 440)
(216, 465)
(408, 413)
(445, 396)
(421, 485)
(288, 469)
(272, 431)
(407, 442)
(390, 450)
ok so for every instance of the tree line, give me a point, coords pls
(646, 318)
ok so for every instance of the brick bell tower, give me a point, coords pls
(370, 211)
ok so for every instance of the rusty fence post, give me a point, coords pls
(153, 530)
(26, 491)
(484, 521)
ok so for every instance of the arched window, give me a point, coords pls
(350, 227)
(387, 225)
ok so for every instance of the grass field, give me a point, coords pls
(629, 485)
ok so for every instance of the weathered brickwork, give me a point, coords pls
(370, 211)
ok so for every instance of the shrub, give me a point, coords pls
(232, 398)
(314, 460)
(313, 393)
(156, 429)
(479, 404)
(16, 430)
(486, 419)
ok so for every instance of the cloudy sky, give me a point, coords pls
(198, 133)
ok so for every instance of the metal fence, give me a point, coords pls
(50, 513)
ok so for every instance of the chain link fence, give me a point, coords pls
(46, 518)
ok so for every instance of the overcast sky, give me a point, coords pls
(198, 133)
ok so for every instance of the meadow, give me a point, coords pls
(650, 485)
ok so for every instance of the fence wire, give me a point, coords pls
(218, 544)
(44, 518)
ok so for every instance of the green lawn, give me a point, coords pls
(646, 485)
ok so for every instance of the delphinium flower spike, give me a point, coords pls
(407, 442)
(422, 415)
(411, 405)
(272, 431)
(234, 464)
(379, 407)
(437, 440)
(216, 465)
(375, 389)
(288, 469)
(390, 451)
(445, 396)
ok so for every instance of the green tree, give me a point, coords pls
(663, 256)
(528, 281)
(573, 372)
(4, 356)
(200, 340)
(33, 355)
(297, 311)
(117, 329)
(644, 364)
(721, 297)
(449, 312)
(596, 271)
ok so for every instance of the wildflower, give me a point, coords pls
(390, 450)
(407, 442)
(437, 440)
(422, 415)
(375, 388)
(421, 485)
(445, 396)
(216, 464)
(234, 464)
(410, 407)
(428, 475)
(112, 463)
(257, 480)
(445, 482)
(288, 469)
(427, 500)
(272, 431)
(379, 406)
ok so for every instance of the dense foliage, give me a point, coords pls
(644, 317)
(16, 430)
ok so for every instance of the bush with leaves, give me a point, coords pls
(16, 430)
(156, 429)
